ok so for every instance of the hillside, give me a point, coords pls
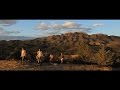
(67, 43)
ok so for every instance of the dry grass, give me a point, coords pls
(5, 64)
(87, 68)
(16, 66)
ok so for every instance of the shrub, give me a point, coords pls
(104, 57)
(100, 56)
(85, 52)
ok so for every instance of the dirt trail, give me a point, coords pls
(16, 66)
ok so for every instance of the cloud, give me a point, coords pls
(1, 30)
(42, 26)
(4, 32)
(67, 26)
(56, 26)
(7, 22)
(71, 25)
(12, 32)
(97, 25)
(86, 29)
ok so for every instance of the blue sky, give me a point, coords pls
(40, 28)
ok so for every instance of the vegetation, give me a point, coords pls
(100, 56)
(85, 52)
(104, 57)
(97, 49)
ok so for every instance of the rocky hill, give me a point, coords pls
(67, 43)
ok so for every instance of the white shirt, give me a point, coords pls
(23, 53)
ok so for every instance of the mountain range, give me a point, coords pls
(7, 38)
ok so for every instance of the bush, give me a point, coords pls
(100, 56)
(85, 52)
(104, 57)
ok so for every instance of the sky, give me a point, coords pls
(43, 28)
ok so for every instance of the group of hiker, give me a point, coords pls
(40, 56)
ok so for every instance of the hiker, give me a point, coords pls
(61, 58)
(39, 56)
(51, 58)
(23, 54)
